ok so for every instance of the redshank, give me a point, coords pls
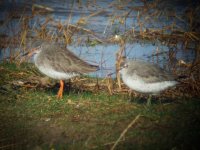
(59, 63)
(145, 77)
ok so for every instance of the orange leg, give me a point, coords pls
(60, 92)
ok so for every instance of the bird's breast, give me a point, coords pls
(139, 85)
(56, 74)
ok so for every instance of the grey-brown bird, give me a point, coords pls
(145, 77)
(59, 63)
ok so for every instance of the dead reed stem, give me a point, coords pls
(110, 85)
(125, 130)
(119, 57)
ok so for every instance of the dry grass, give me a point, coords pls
(89, 117)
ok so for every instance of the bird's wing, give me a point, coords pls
(151, 73)
(63, 60)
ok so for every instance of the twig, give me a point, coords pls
(125, 130)
(119, 60)
(106, 144)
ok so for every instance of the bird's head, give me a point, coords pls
(34, 48)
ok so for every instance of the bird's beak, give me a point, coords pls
(27, 55)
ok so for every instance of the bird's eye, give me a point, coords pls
(39, 47)
(126, 66)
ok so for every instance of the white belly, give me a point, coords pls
(141, 86)
(50, 72)
(56, 75)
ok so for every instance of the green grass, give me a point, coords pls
(34, 118)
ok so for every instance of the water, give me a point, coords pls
(105, 55)
(106, 24)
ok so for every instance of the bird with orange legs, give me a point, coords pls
(59, 63)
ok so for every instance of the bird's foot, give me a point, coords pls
(60, 94)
